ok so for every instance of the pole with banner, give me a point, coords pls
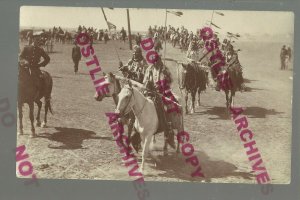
(111, 26)
(178, 14)
(129, 30)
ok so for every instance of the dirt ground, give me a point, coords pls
(77, 144)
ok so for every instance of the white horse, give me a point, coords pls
(146, 123)
(114, 87)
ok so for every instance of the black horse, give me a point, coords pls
(192, 79)
(235, 83)
(27, 93)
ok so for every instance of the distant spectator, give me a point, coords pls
(106, 38)
(123, 34)
(76, 56)
(283, 54)
(138, 39)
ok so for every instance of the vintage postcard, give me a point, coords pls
(155, 95)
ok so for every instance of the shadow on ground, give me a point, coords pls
(174, 166)
(71, 138)
(251, 112)
(250, 89)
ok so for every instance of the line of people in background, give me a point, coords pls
(285, 57)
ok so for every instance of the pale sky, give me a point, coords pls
(252, 22)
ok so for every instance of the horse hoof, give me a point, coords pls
(192, 111)
(44, 125)
(32, 136)
(20, 133)
(38, 124)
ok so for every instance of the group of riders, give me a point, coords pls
(137, 67)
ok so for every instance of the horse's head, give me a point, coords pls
(24, 71)
(183, 71)
(125, 102)
(113, 87)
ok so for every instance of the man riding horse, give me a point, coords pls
(136, 66)
(31, 56)
(232, 61)
(155, 73)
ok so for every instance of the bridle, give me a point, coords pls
(136, 114)
(124, 114)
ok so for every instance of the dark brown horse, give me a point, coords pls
(235, 84)
(191, 79)
(27, 93)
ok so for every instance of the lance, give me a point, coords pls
(110, 32)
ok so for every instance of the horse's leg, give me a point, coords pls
(31, 117)
(145, 150)
(227, 98)
(20, 106)
(47, 105)
(38, 120)
(165, 144)
(232, 94)
(186, 101)
(193, 94)
(154, 140)
(177, 148)
(130, 127)
(227, 103)
(199, 92)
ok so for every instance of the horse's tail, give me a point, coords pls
(48, 91)
(48, 102)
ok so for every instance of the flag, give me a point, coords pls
(178, 13)
(111, 26)
(219, 13)
(215, 25)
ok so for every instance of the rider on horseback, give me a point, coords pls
(136, 66)
(31, 56)
(232, 61)
(155, 73)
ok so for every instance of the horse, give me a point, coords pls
(192, 78)
(130, 98)
(235, 84)
(27, 93)
(114, 88)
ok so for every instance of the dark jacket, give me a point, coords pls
(33, 55)
(76, 54)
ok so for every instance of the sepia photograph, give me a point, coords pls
(168, 95)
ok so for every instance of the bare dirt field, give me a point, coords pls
(78, 144)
